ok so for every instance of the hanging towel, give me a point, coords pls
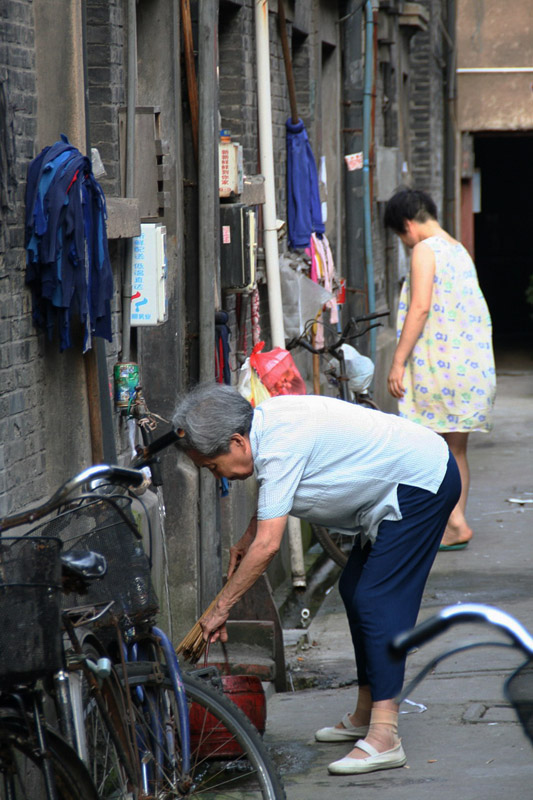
(323, 249)
(67, 260)
(304, 215)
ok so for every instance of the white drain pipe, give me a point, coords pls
(270, 234)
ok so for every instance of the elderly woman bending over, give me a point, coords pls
(385, 480)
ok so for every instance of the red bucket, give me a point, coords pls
(209, 737)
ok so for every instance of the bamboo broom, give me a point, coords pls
(192, 646)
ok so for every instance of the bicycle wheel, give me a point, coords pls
(22, 770)
(229, 760)
(107, 749)
(336, 545)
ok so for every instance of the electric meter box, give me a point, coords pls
(149, 302)
(238, 247)
(230, 170)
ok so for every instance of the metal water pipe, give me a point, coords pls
(100, 415)
(367, 143)
(209, 551)
(131, 87)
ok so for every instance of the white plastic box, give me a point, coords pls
(149, 302)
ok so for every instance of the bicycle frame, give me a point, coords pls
(520, 639)
(131, 654)
(466, 612)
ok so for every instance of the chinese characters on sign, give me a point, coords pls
(354, 161)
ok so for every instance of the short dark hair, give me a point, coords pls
(408, 204)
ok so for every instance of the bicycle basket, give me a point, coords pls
(30, 596)
(105, 524)
(519, 691)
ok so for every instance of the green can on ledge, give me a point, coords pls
(126, 378)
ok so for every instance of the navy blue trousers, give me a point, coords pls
(382, 583)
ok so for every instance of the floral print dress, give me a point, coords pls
(450, 379)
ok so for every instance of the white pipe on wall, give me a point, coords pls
(270, 232)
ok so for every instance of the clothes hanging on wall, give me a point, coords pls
(222, 348)
(304, 213)
(322, 271)
(67, 260)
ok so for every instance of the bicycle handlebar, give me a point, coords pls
(353, 322)
(123, 475)
(145, 454)
(466, 612)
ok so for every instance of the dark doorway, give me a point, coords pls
(503, 234)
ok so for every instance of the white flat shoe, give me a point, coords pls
(352, 766)
(348, 733)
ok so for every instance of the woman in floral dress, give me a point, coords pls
(443, 371)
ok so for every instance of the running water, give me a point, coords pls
(162, 517)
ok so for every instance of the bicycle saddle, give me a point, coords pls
(83, 564)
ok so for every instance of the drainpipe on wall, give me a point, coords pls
(130, 171)
(367, 143)
(209, 551)
(352, 143)
(270, 232)
(270, 236)
(100, 411)
(452, 175)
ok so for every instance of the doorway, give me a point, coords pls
(503, 231)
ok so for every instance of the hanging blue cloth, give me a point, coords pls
(304, 213)
(222, 348)
(67, 260)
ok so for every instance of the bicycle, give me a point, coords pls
(518, 688)
(144, 721)
(77, 666)
(34, 760)
(338, 545)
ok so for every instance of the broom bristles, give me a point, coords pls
(193, 645)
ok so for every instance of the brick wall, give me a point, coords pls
(238, 99)
(238, 95)
(105, 55)
(21, 439)
(426, 104)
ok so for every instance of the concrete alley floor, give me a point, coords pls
(467, 743)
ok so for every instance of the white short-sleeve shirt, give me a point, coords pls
(338, 464)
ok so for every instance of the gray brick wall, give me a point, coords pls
(105, 55)
(22, 451)
(238, 95)
(427, 103)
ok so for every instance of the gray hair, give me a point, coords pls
(208, 416)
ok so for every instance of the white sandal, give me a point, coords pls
(351, 766)
(348, 733)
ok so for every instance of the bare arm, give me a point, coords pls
(422, 276)
(260, 553)
(240, 548)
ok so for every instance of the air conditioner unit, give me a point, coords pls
(238, 247)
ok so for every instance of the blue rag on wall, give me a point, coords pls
(304, 213)
(67, 260)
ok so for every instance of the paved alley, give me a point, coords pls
(467, 742)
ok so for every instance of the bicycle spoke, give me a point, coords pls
(225, 764)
